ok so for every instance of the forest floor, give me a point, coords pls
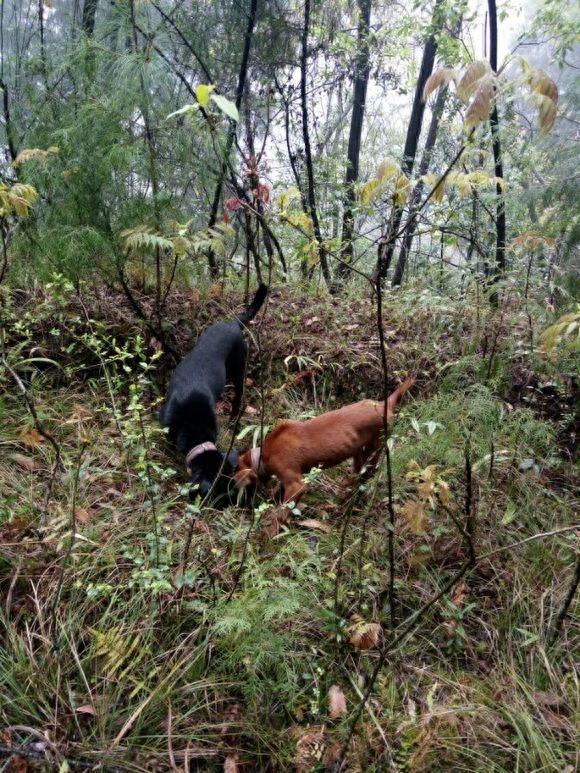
(142, 632)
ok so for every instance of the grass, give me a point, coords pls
(142, 660)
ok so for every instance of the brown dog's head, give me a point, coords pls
(250, 470)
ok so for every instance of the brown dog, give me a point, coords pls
(293, 448)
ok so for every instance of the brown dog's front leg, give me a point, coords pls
(293, 490)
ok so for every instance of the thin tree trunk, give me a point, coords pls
(88, 17)
(500, 224)
(387, 245)
(311, 196)
(242, 75)
(362, 69)
(409, 234)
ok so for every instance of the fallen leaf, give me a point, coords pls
(24, 461)
(309, 749)
(312, 523)
(216, 291)
(556, 721)
(18, 764)
(311, 321)
(459, 594)
(87, 709)
(31, 437)
(231, 764)
(337, 702)
(83, 516)
(364, 636)
(550, 699)
(250, 410)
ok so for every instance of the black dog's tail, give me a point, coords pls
(255, 305)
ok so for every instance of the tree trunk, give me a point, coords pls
(438, 108)
(362, 69)
(242, 75)
(88, 17)
(500, 224)
(387, 244)
(311, 195)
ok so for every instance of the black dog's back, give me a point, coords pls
(218, 357)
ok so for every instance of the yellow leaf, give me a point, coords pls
(444, 493)
(402, 190)
(547, 111)
(203, 94)
(469, 82)
(31, 437)
(299, 220)
(387, 169)
(368, 190)
(287, 196)
(430, 181)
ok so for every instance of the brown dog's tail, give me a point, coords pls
(398, 393)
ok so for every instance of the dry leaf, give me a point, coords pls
(471, 77)
(549, 699)
(250, 410)
(337, 702)
(556, 721)
(312, 523)
(82, 516)
(24, 461)
(364, 636)
(31, 437)
(459, 594)
(309, 749)
(87, 709)
(216, 291)
(231, 764)
(18, 764)
(482, 101)
(414, 513)
(441, 77)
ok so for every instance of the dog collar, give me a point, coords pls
(197, 451)
(256, 459)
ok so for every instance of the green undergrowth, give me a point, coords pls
(121, 650)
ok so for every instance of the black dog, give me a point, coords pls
(219, 357)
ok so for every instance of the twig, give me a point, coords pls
(553, 635)
(469, 520)
(73, 525)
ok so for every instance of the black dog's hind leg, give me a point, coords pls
(236, 369)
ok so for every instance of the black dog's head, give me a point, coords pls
(204, 470)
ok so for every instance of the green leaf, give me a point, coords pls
(181, 111)
(226, 107)
(203, 93)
